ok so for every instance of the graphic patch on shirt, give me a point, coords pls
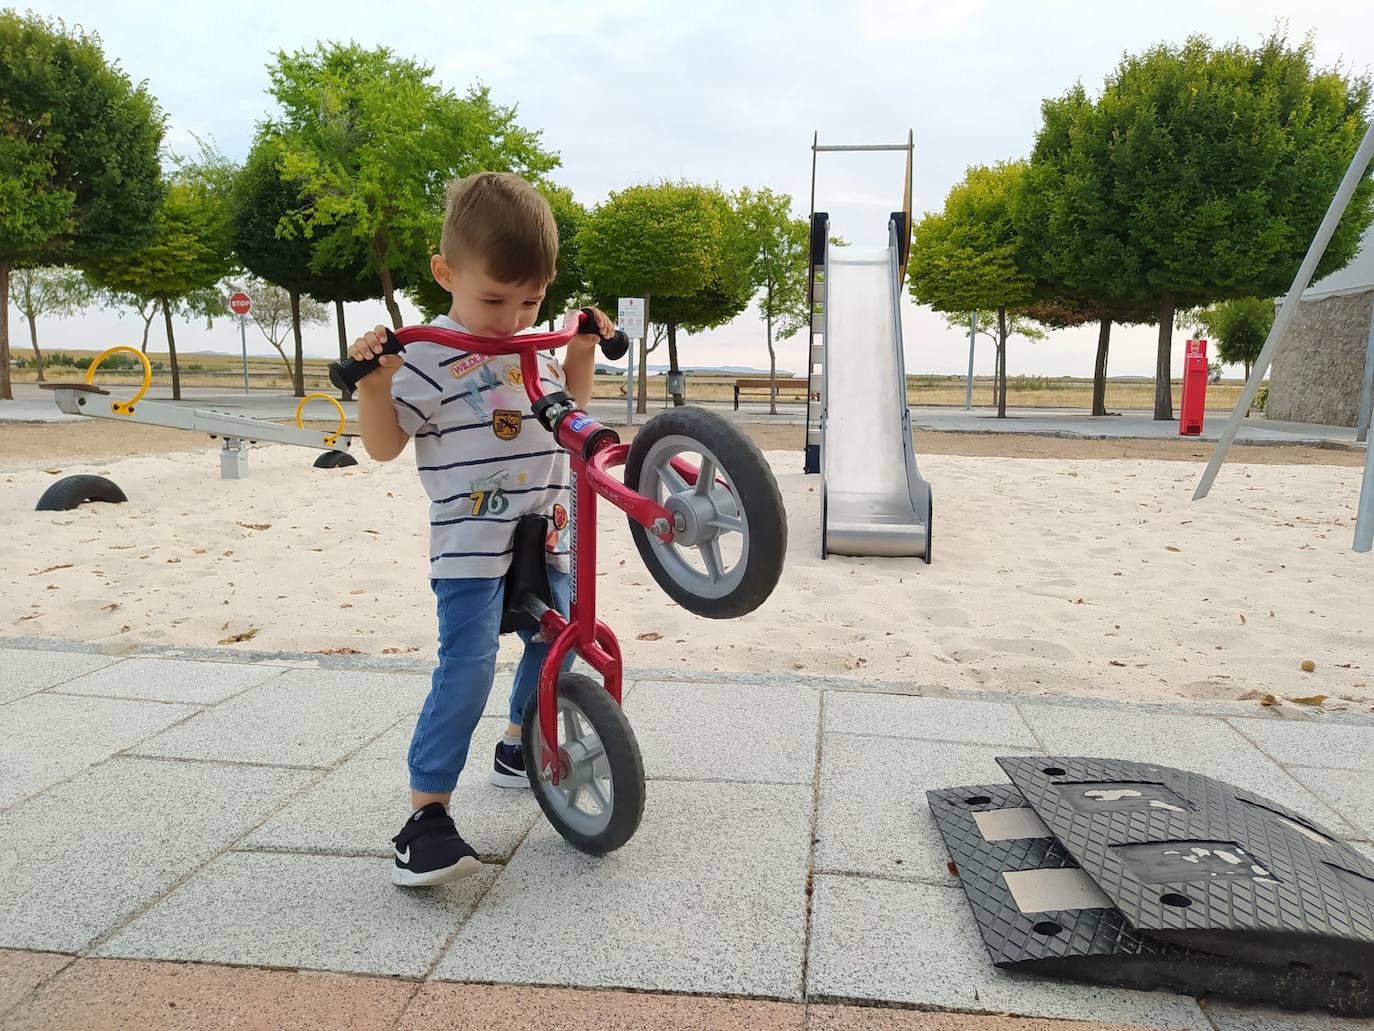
(553, 369)
(487, 496)
(514, 376)
(472, 391)
(461, 368)
(560, 517)
(506, 423)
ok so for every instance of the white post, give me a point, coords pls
(630, 383)
(968, 382)
(1290, 306)
(1366, 401)
(243, 340)
(1364, 511)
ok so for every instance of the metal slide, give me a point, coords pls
(873, 499)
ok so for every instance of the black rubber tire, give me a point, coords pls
(72, 491)
(334, 460)
(622, 754)
(756, 492)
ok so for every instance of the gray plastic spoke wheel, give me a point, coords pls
(729, 527)
(599, 798)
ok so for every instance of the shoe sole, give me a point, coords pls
(509, 780)
(465, 867)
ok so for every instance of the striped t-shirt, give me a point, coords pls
(484, 459)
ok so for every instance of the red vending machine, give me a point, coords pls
(1194, 400)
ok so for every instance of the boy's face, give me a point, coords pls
(486, 306)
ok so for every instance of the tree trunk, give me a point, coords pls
(672, 360)
(642, 402)
(1001, 363)
(147, 325)
(389, 296)
(773, 364)
(37, 354)
(1104, 336)
(1164, 398)
(6, 390)
(290, 373)
(299, 378)
(172, 349)
(346, 395)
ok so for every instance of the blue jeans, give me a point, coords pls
(469, 633)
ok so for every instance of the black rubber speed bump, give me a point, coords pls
(1039, 912)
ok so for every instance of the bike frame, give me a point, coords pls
(593, 449)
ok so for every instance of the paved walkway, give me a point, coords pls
(182, 807)
(34, 405)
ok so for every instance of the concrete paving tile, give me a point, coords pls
(441, 1007)
(1313, 742)
(133, 995)
(24, 670)
(937, 719)
(362, 803)
(709, 897)
(22, 972)
(172, 680)
(1349, 792)
(1230, 1017)
(81, 857)
(305, 717)
(866, 1018)
(1203, 745)
(873, 816)
(317, 912)
(45, 738)
(725, 732)
(863, 948)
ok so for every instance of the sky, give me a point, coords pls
(715, 92)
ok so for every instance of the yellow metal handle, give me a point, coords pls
(329, 438)
(124, 407)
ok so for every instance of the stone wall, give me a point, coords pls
(1316, 373)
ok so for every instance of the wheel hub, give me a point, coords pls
(692, 515)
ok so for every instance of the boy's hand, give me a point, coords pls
(369, 345)
(586, 341)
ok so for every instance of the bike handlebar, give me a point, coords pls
(345, 374)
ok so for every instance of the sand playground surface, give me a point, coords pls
(1051, 576)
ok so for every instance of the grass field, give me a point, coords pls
(226, 372)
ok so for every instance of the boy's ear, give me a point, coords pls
(439, 269)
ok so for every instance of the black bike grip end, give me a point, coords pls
(613, 346)
(345, 374)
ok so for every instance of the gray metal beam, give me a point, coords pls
(1290, 306)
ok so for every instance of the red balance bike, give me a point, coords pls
(707, 518)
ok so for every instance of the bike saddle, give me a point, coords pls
(528, 575)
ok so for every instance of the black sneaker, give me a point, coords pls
(508, 771)
(429, 850)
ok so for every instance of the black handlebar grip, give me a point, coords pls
(345, 374)
(613, 346)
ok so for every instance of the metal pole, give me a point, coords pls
(630, 383)
(968, 382)
(1290, 306)
(243, 340)
(1366, 400)
(1364, 511)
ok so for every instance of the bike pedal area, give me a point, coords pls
(1141, 876)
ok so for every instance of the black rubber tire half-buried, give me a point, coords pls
(756, 495)
(334, 460)
(622, 757)
(71, 491)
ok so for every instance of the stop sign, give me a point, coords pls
(240, 303)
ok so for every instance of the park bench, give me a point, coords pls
(788, 390)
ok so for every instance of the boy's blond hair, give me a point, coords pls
(499, 219)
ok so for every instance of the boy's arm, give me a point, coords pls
(579, 370)
(383, 437)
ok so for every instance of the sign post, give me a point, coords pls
(630, 317)
(241, 304)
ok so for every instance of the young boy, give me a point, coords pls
(484, 461)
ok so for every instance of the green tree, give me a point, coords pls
(1239, 327)
(145, 307)
(191, 249)
(970, 256)
(48, 291)
(656, 241)
(80, 180)
(568, 283)
(373, 142)
(1199, 174)
(1014, 324)
(780, 259)
(279, 313)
